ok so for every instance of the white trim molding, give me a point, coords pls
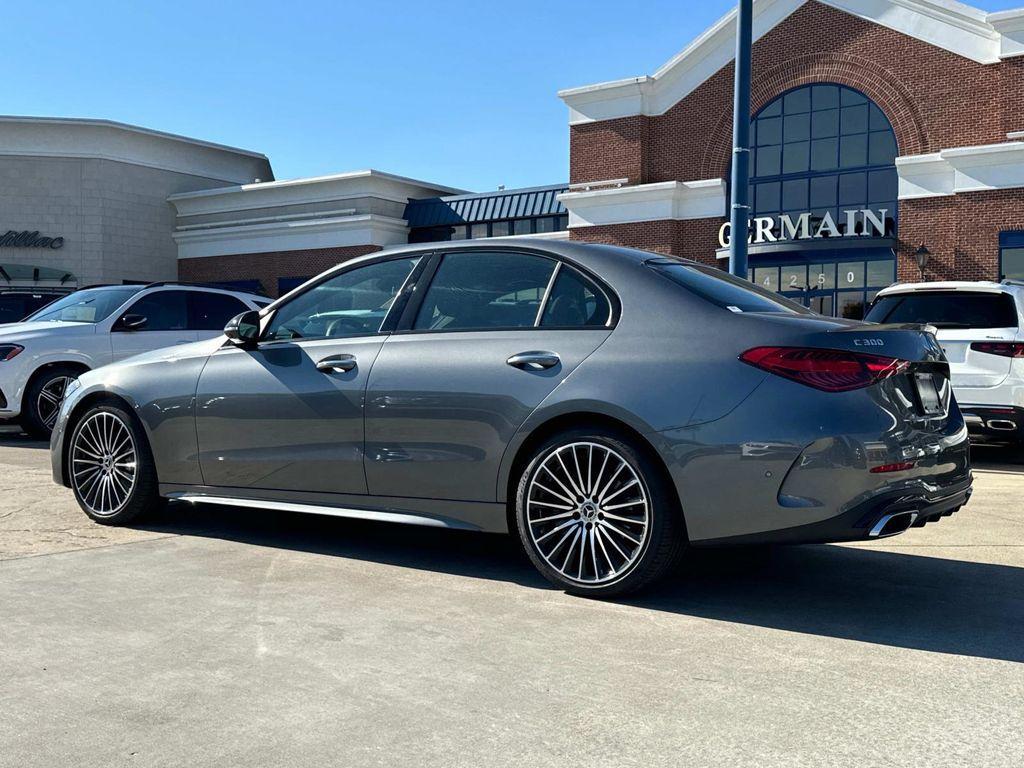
(1010, 26)
(291, 235)
(962, 29)
(315, 189)
(961, 169)
(646, 202)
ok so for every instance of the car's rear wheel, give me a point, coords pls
(43, 398)
(596, 514)
(111, 467)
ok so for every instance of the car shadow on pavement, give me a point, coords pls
(854, 593)
(995, 458)
(12, 436)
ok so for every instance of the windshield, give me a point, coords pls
(89, 306)
(725, 290)
(946, 309)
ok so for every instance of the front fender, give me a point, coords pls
(160, 391)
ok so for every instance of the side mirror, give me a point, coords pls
(244, 330)
(132, 323)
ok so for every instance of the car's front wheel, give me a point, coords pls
(111, 467)
(596, 514)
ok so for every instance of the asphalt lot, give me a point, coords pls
(237, 637)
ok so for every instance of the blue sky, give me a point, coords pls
(461, 93)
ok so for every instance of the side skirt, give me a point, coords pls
(435, 513)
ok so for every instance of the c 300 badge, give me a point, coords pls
(869, 342)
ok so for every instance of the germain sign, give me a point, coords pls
(29, 239)
(774, 229)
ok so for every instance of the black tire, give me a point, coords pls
(34, 422)
(661, 544)
(143, 497)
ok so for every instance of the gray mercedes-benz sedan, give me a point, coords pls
(610, 406)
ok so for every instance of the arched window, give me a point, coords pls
(824, 149)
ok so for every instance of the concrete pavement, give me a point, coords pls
(237, 637)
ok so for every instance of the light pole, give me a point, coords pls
(739, 212)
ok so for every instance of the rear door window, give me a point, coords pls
(485, 290)
(947, 309)
(575, 302)
(209, 311)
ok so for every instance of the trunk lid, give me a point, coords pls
(920, 392)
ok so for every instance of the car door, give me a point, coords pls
(476, 352)
(166, 323)
(288, 413)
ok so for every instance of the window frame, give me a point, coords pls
(426, 279)
(387, 326)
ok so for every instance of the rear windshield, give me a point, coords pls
(947, 309)
(725, 290)
(15, 306)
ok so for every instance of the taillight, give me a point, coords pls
(1001, 348)
(830, 370)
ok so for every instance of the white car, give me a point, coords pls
(96, 326)
(981, 330)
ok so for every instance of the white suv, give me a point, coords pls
(981, 330)
(96, 326)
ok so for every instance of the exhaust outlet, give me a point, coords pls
(1002, 425)
(892, 524)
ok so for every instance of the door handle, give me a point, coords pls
(336, 364)
(534, 361)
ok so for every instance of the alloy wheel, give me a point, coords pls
(49, 400)
(104, 463)
(588, 513)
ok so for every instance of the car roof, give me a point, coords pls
(979, 286)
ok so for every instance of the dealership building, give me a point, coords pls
(887, 134)
(883, 131)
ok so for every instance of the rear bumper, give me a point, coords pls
(884, 515)
(1005, 423)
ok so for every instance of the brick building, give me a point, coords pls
(880, 126)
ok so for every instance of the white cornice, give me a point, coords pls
(1010, 26)
(107, 140)
(318, 189)
(959, 28)
(289, 235)
(646, 202)
(961, 169)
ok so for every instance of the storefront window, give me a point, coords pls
(482, 229)
(844, 285)
(824, 149)
(1011, 256)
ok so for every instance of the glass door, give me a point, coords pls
(836, 283)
